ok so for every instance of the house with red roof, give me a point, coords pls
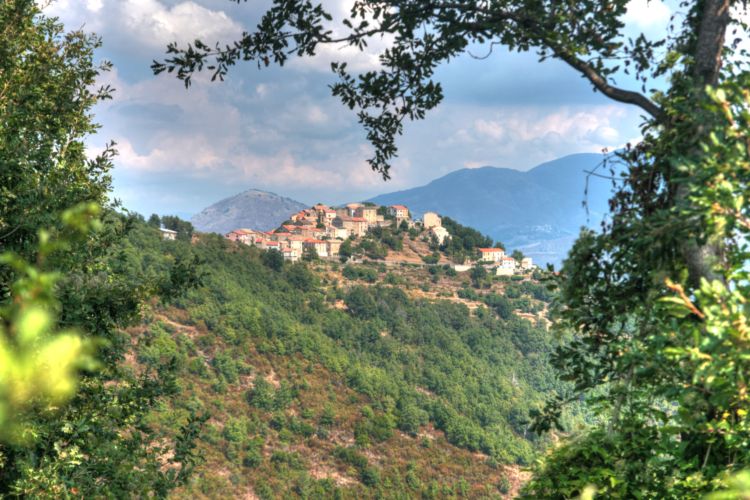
(507, 267)
(320, 246)
(491, 255)
(400, 212)
(357, 226)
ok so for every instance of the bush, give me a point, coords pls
(261, 395)
(360, 273)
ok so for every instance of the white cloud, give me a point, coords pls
(147, 22)
(648, 16)
(316, 115)
(491, 129)
(526, 125)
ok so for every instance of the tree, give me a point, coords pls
(273, 259)
(54, 211)
(346, 250)
(184, 228)
(44, 165)
(154, 220)
(517, 255)
(310, 254)
(653, 303)
(478, 274)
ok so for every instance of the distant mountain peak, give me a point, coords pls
(253, 208)
(539, 211)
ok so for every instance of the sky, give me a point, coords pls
(280, 130)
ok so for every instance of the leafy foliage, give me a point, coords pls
(100, 442)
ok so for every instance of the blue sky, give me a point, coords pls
(280, 130)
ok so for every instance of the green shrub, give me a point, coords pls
(261, 395)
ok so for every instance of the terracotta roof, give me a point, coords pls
(488, 250)
(399, 207)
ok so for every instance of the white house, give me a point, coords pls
(431, 219)
(526, 263)
(168, 234)
(320, 246)
(290, 254)
(400, 212)
(337, 232)
(507, 267)
(440, 233)
(357, 226)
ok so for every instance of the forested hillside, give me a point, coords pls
(317, 384)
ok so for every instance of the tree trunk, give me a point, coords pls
(701, 258)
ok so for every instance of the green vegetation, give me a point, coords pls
(74, 417)
(476, 378)
(464, 241)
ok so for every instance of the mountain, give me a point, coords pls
(252, 209)
(539, 211)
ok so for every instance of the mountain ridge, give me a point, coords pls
(539, 211)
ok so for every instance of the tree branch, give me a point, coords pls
(614, 93)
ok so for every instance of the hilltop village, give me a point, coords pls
(330, 233)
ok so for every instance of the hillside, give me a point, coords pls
(362, 381)
(252, 208)
(539, 211)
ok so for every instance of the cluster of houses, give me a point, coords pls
(503, 265)
(323, 229)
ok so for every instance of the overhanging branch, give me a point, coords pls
(614, 93)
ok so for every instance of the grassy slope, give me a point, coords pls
(349, 402)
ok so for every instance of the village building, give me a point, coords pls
(295, 242)
(492, 255)
(268, 245)
(369, 213)
(352, 207)
(431, 219)
(320, 246)
(307, 215)
(334, 232)
(356, 226)
(440, 233)
(507, 267)
(291, 254)
(168, 234)
(527, 263)
(279, 236)
(333, 246)
(246, 236)
(400, 212)
(311, 231)
(326, 216)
